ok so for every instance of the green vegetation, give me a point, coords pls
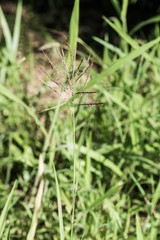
(77, 171)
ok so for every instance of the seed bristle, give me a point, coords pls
(59, 77)
(89, 104)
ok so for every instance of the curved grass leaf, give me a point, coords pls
(108, 194)
(129, 40)
(124, 35)
(5, 210)
(115, 99)
(4, 91)
(121, 62)
(95, 56)
(101, 159)
(144, 23)
(109, 46)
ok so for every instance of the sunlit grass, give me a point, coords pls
(116, 145)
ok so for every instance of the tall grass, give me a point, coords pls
(92, 174)
(5, 210)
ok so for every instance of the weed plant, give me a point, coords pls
(92, 174)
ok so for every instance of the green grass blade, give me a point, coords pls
(107, 59)
(5, 210)
(6, 30)
(61, 228)
(117, 6)
(156, 195)
(155, 19)
(8, 234)
(115, 99)
(145, 160)
(101, 159)
(154, 232)
(52, 138)
(124, 35)
(124, 14)
(88, 176)
(109, 46)
(129, 40)
(38, 199)
(108, 194)
(4, 91)
(17, 27)
(138, 228)
(73, 31)
(121, 62)
(97, 59)
(137, 184)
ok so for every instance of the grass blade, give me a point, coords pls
(115, 99)
(138, 228)
(124, 35)
(121, 62)
(4, 91)
(16, 32)
(38, 200)
(97, 59)
(59, 205)
(5, 210)
(8, 234)
(100, 158)
(109, 46)
(6, 30)
(124, 14)
(108, 194)
(128, 39)
(156, 195)
(52, 137)
(73, 31)
(137, 184)
(88, 176)
(155, 19)
(117, 6)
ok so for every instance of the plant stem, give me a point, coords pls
(74, 170)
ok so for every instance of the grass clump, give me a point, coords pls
(84, 173)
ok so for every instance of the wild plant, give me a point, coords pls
(69, 85)
(67, 82)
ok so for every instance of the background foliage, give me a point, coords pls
(112, 176)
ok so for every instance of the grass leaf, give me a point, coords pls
(5, 210)
(117, 6)
(73, 31)
(4, 91)
(101, 159)
(129, 40)
(138, 228)
(6, 31)
(155, 19)
(108, 194)
(8, 234)
(17, 27)
(156, 195)
(121, 62)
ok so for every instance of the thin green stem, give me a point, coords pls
(74, 171)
